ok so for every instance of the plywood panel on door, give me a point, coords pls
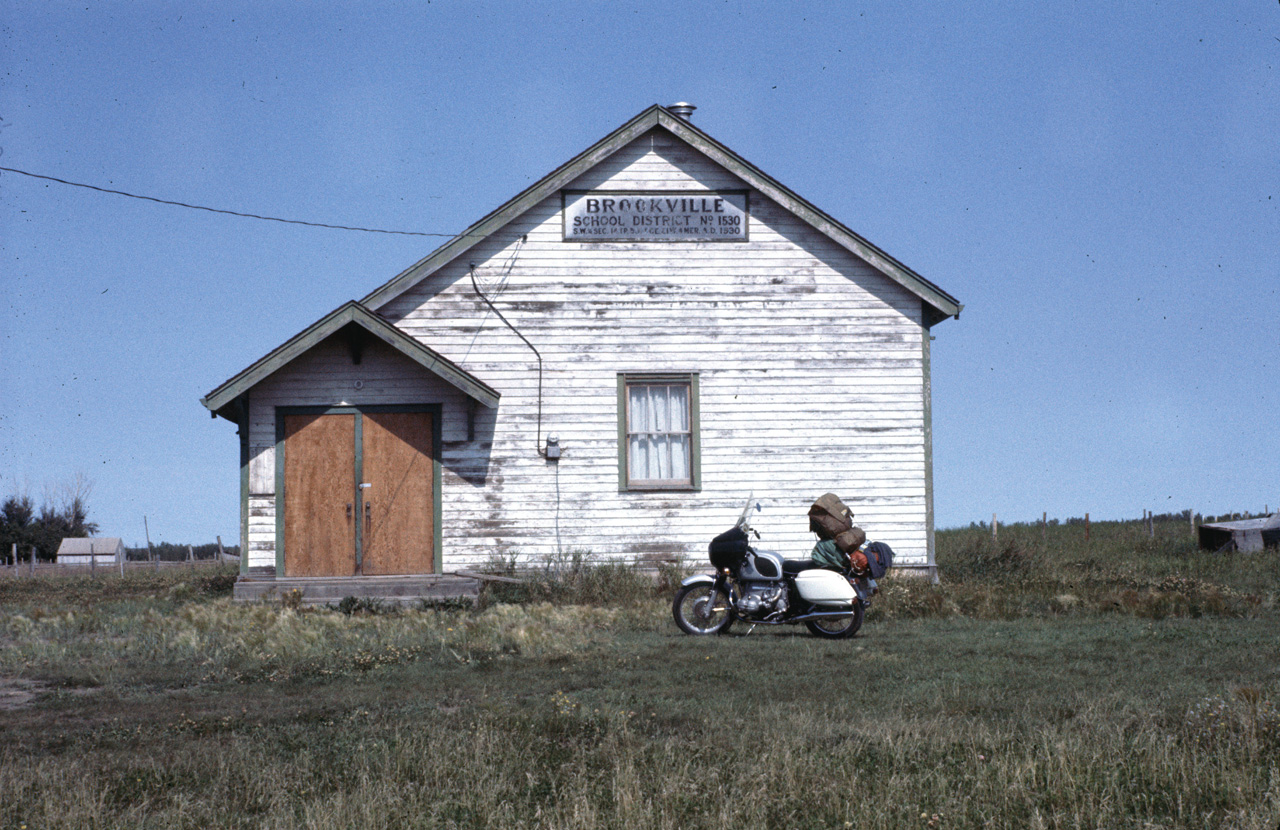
(319, 495)
(399, 529)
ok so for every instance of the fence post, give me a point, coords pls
(995, 527)
(191, 558)
(151, 554)
(31, 566)
(221, 555)
(1086, 527)
(93, 561)
(15, 558)
(120, 556)
(1044, 528)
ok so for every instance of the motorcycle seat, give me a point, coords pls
(791, 567)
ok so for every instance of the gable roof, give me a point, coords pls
(99, 546)
(1271, 522)
(348, 314)
(942, 303)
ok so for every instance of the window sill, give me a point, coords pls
(660, 488)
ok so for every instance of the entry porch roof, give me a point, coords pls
(222, 400)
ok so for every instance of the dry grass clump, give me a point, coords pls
(218, 640)
(1246, 722)
(911, 598)
(581, 578)
(1184, 597)
(1035, 571)
(108, 586)
(976, 556)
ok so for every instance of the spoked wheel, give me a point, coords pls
(838, 628)
(697, 611)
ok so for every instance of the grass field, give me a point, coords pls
(1129, 682)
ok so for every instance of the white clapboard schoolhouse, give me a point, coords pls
(609, 363)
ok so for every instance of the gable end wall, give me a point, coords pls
(811, 367)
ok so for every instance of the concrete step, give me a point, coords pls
(321, 590)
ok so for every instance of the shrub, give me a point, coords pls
(578, 579)
(362, 605)
(980, 557)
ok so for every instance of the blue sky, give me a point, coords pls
(1098, 183)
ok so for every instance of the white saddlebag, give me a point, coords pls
(823, 587)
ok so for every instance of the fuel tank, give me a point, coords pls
(761, 566)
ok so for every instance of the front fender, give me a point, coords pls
(697, 579)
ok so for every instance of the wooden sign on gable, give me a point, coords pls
(655, 216)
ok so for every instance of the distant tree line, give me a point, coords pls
(1231, 517)
(1183, 516)
(62, 514)
(169, 552)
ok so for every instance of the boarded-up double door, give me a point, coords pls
(358, 493)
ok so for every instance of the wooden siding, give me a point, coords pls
(810, 361)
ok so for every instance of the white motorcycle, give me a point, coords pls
(759, 587)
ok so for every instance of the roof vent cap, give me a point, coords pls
(682, 109)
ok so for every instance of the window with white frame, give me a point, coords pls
(658, 432)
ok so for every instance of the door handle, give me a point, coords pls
(368, 512)
(348, 511)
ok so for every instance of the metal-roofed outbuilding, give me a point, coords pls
(106, 550)
(1247, 535)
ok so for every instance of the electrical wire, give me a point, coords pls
(559, 546)
(220, 210)
(472, 271)
(241, 214)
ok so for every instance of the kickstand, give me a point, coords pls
(749, 630)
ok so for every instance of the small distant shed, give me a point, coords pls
(1244, 535)
(87, 551)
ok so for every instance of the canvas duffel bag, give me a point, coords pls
(829, 517)
(851, 539)
(827, 554)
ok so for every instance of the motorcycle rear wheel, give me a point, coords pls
(838, 628)
(691, 612)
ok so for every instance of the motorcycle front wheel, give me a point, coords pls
(696, 613)
(838, 628)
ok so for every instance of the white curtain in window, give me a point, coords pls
(659, 427)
